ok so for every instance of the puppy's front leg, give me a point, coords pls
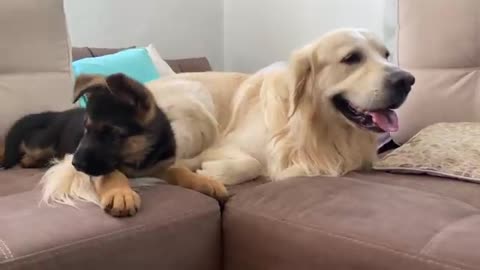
(116, 196)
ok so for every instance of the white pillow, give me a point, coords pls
(162, 67)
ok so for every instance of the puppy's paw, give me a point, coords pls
(121, 202)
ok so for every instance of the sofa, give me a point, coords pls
(364, 220)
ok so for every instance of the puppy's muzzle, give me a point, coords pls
(79, 163)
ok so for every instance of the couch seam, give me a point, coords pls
(4, 254)
(350, 178)
(105, 237)
(357, 241)
(428, 246)
(8, 251)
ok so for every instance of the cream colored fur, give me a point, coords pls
(192, 113)
(280, 124)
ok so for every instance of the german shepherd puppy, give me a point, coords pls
(121, 133)
(35, 139)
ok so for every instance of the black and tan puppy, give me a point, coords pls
(122, 133)
(35, 139)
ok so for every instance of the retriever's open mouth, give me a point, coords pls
(384, 120)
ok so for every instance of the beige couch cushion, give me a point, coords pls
(35, 57)
(439, 41)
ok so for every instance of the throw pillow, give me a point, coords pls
(443, 149)
(142, 64)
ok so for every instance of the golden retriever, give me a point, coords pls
(317, 116)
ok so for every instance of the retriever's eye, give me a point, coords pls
(387, 54)
(352, 58)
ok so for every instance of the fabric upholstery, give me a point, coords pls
(35, 70)
(438, 40)
(175, 229)
(362, 221)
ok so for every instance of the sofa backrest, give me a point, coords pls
(439, 41)
(35, 73)
(199, 64)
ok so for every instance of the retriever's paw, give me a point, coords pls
(121, 202)
(210, 186)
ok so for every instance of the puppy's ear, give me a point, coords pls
(86, 84)
(301, 67)
(135, 94)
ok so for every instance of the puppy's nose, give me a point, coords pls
(79, 164)
(401, 80)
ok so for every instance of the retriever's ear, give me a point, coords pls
(135, 94)
(301, 68)
(86, 84)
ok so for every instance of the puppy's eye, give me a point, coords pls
(352, 58)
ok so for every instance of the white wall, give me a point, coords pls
(177, 28)
(259, 32)
(237, 35)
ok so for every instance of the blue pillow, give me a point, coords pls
(135, 63)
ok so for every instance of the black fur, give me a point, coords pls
(58, 130)
(97, 135)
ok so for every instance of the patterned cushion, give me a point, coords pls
(443, 149)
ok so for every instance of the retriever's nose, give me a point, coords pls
(401, 80)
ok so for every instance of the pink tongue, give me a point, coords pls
(386, 120)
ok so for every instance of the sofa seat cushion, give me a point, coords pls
(362, 221)
(18, 180)
(175, 229)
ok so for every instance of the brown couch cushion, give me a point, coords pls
(438, 40)
(175, 229)
(364, 221)
(199, 64)
(85, 52)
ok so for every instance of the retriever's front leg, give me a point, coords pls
(289, 172)
(182, 176)
(116, 196)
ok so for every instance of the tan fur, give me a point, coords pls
(35, 157)
(184, 177)
(193, 118)
(84, 82)
(282, 123)
(135, 149)
(235, 127)
(146, 115)
(116, 195)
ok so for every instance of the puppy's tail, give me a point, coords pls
(18, 132)
(63, 184)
